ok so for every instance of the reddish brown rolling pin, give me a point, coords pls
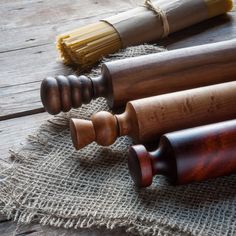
(148, 118)
(125, 80)
(187, 156)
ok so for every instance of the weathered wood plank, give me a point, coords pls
(34, 36)
(10, 228)
(20, 82)
(13, 132)
(35, 63)
(28, 29)
(33, 13)
(49, 20)
(31, 56)
(39, 230)
(19, 100)
(13, 135)
(7, 227)
(30, 65)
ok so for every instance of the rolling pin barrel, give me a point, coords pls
(146, 119)
(187, 156)
(153, 74)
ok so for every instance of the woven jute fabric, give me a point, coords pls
(52, 183)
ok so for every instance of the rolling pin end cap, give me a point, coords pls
(82, 132)
(140, 166)
(50, 95)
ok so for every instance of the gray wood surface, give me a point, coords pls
(7, 227)
(27, 54)
(13, 132)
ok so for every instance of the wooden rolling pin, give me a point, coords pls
(125, 80)
(187, 156)
(148, 118)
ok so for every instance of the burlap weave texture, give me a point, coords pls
(52, 183)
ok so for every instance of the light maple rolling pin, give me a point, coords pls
(125, 80)
(187, 156)
(148, 118)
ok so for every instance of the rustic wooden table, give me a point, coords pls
(27, 54)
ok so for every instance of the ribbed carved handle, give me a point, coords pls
(63, 93)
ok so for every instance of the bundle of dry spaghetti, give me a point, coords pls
(148, 23)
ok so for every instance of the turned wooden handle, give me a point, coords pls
(63, 93)
(102, 128)
(153, 74)
(187, 156)
(148, 118)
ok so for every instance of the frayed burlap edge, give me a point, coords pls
(35, 144)
(163, 210)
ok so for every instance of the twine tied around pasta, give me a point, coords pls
(161, 13)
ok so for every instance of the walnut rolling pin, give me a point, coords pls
(187, 156)
(149, 118)
(125, 80)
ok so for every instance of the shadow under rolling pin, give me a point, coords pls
(187, 156)
(133, 78)
(146, 119)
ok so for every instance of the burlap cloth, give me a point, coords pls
(55, 185)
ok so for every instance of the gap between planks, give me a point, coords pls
(20, 83)
(34, 50)
(13, 132)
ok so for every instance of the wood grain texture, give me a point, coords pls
(146, 119)
(34, 51)
(31, 56)
(10, 228)
(154, 74)
(187, 156)
(34, 12)
(28, 29)
(13, 132)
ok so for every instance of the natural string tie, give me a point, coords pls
(162, 15)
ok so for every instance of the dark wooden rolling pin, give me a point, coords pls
(187, 156)
(148, 118)
(125, 80)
